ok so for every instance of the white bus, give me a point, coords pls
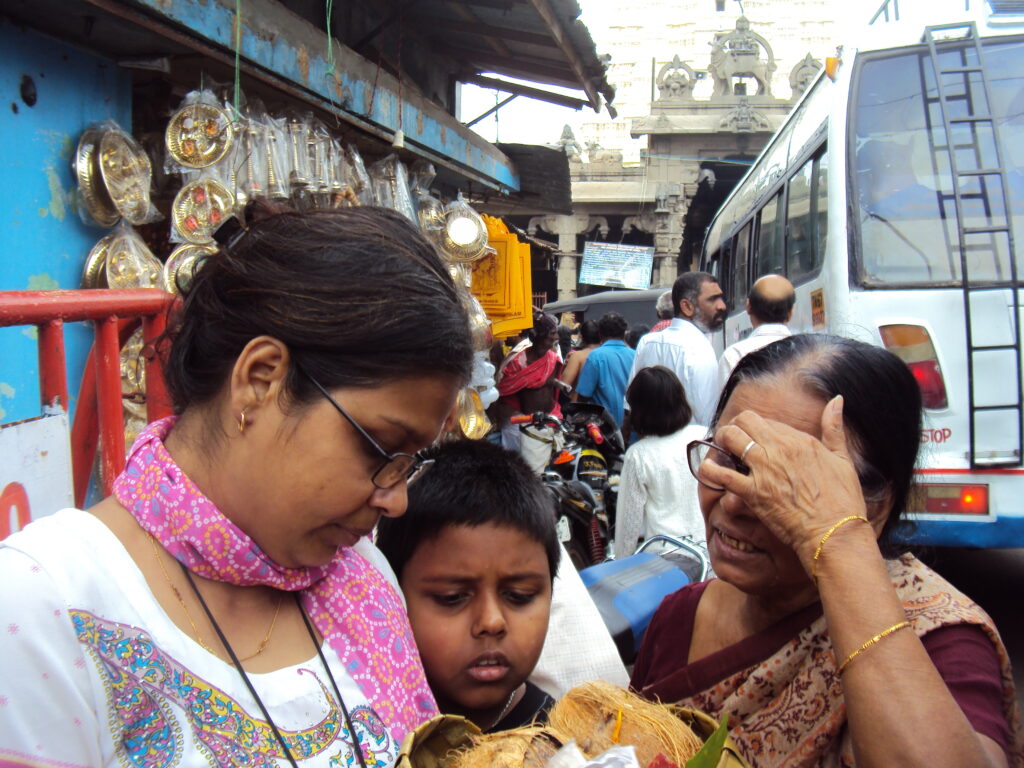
(892, 198)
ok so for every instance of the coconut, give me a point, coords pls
(600, 715)
(530, 747)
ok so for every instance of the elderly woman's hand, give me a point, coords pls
(798, 486)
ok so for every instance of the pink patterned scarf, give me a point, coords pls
(355, 608)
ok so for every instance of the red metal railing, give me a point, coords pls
(98, 417)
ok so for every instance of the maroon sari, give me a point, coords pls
(780, 687)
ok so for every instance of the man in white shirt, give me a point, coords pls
(770, 306)
(684, 347)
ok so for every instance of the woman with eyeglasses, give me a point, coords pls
(225, 606)
(824, 643)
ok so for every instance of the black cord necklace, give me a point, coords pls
(259, 702)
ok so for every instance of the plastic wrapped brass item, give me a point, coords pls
(390, 181)
(180, 267)
(275, 148)
(473, 422)
(464, 236)
(129, 262)
(95, 202)
(127, 174)
(254, 160)
(94, 274)
(199, 208)
(298, 138)
(198, 135)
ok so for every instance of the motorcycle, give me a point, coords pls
(580, 477)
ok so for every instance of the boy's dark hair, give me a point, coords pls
(612, 326)
(472, 482)
(657, 402)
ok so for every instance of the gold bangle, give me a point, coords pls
(880, 636)
(829, 532)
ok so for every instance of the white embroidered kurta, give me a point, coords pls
(657, 491)
(94, 673)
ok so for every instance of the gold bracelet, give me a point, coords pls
(829, 532)
(880, 636)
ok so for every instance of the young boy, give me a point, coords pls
(476, 555)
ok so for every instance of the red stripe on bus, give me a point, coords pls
(966, 471)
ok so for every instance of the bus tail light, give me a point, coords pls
(942, 498)
(913, 345)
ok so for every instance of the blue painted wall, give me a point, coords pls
(43, 243)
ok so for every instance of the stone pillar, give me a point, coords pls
(568, 272)
(567, 228)
(668, 234)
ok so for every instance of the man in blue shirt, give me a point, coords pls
(606, 371)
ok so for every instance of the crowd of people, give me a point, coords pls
(227, 605)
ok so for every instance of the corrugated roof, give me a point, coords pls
(542, 41)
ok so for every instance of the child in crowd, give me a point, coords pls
(476, 554)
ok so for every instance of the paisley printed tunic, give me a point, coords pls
(94, 673)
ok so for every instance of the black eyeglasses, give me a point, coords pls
(397, 466)
(700, 451)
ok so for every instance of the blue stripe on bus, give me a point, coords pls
(1001, 532)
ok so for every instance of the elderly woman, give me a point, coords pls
(821, 647)
(225, 606)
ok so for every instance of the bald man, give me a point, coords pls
(770, 306)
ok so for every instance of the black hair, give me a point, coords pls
(768, 311)
(589, 333)
(612, 325)
(657, 402)
(358, 295)
(687, 286)
(881, 409)
(564, 339)
(472, 482)
(637, 332)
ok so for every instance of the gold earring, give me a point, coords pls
(241, 421)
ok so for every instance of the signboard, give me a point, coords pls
(617, 266)
(35, 470)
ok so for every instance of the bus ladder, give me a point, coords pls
(957, 86)
(99, 422)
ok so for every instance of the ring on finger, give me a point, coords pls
(746, 450)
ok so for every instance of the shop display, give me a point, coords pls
(127, 175)
(199, 208)
(94, 203)
(358, 177)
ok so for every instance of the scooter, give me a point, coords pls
(629, 590)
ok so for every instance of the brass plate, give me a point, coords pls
(130, 263)
(90, 183)
(182, 265)
(198, 135)
(126, 172)
(199, 208)
(94, 274)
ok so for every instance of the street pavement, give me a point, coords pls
(994, 578)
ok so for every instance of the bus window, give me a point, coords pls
(903, 185)
(800, 239)
(736, 293)
(820, 207)
(769, 258)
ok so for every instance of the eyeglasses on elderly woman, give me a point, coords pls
(700, 451)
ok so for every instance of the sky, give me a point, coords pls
(529, 121)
